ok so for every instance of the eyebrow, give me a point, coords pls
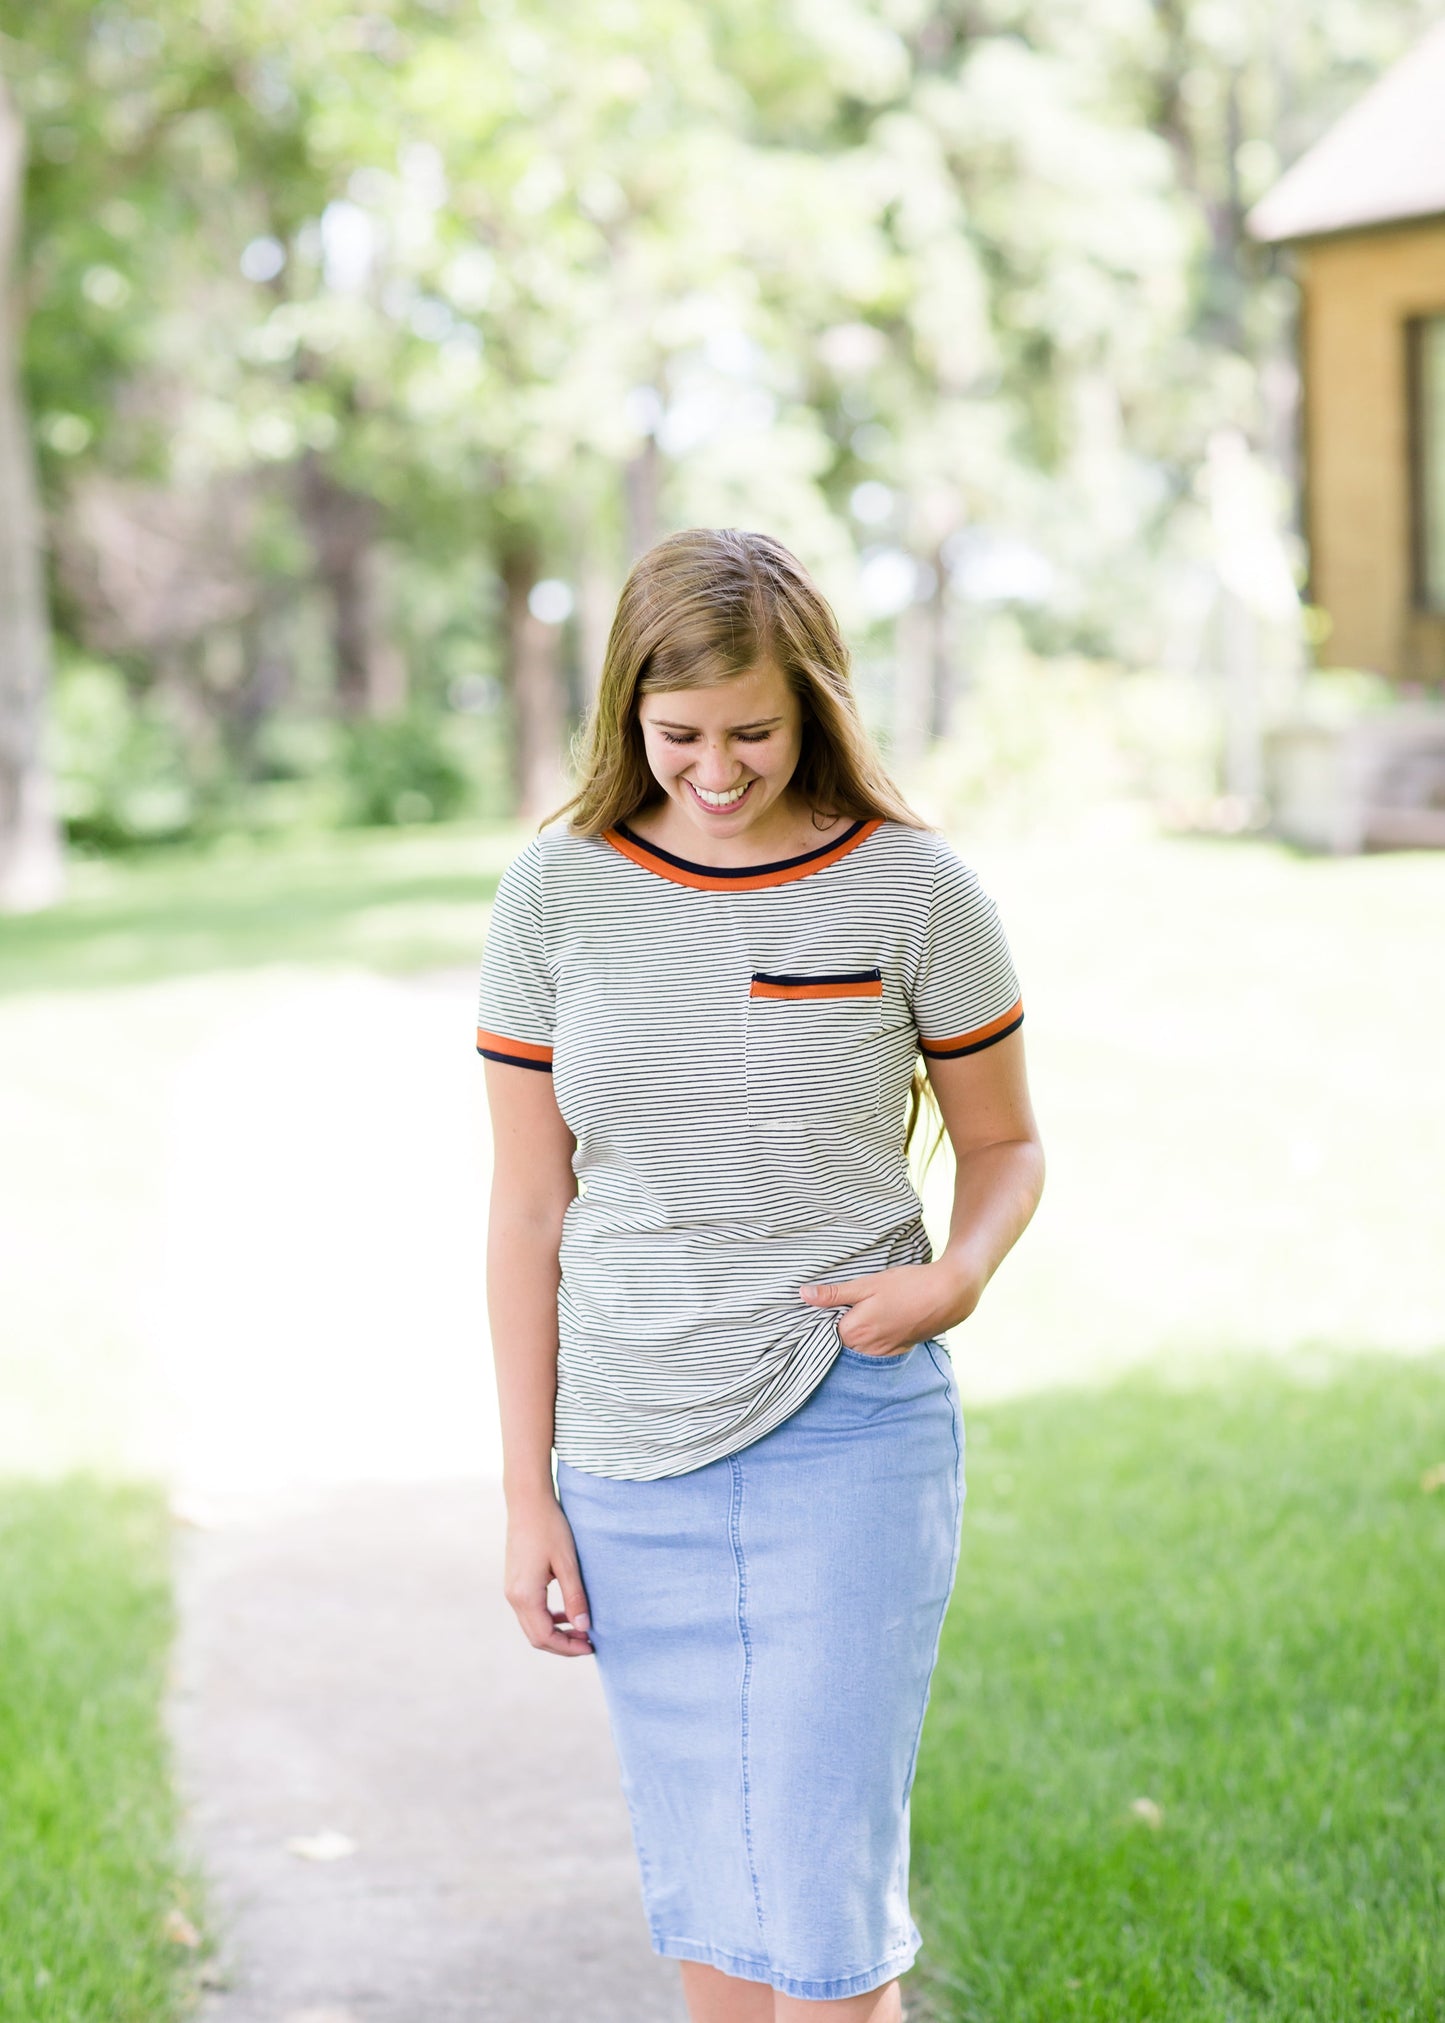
(757, 724)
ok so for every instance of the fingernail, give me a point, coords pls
(584, 1621)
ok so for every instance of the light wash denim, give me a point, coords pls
(766, 1629)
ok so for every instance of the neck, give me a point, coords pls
(793, 832)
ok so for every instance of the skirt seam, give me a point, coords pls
(949, 1385)
(740, 1563)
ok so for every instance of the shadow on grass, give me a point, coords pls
(390, 900)
(1185, 1756)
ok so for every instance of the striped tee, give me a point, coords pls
(732, 1051)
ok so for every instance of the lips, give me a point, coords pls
(726, 807)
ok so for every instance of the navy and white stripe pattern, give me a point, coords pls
(732, 1051)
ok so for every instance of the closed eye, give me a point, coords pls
(743, 737)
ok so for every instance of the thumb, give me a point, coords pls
(841, 1295)
(574, 1596)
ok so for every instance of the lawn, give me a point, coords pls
(1185, 1756)
(88, 1876)
(393, 901)
(1217, 1594)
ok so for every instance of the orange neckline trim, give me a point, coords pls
(709, 878)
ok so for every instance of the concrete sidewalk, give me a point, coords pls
(346, 1663)
(347, 1666)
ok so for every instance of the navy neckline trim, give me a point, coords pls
(737, 870)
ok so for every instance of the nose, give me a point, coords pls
(716, 770)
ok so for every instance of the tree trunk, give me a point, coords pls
(1243, 753)
(642, 486)
(534, 677)
(943, 644)
(32, 870)
(368, 670)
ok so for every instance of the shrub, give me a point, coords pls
(399, 769)
(120, 761)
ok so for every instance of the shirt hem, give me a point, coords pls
(727, 1444)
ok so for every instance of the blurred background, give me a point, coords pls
(1093, 359)
(356, 355)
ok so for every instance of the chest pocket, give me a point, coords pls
(812, 1047)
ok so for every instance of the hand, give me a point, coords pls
(540, 1548)
(890, 1310)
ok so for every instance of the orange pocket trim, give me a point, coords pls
(851, 983)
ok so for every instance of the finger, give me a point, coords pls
(844, 1293)
(565, 1644)
(545, 1634)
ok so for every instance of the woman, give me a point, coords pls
(709, 1285)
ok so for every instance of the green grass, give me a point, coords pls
(386, 900)
(87, 1823)
(1226, 1601)
(1222, 1598)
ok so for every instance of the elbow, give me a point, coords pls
(1032, 1169)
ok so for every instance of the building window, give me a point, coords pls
(1427, 457)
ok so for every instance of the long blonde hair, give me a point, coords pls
(699, 609)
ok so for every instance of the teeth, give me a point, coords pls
(721, 800)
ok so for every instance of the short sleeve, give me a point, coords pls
(515, 1005)
(966, 994)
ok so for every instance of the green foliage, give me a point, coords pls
(1217, 1602)
(127, 778)
(121, 764)
(1344, 694)
(399, 770)
(503, 291)
(88, 1863)
(1045, 742)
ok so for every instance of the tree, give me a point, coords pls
(381, 317)
(31, 864)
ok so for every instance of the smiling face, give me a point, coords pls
(724, 755)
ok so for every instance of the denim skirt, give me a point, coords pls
(765, 1630)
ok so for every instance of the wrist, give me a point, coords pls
(527, 1492)
(961, 1280)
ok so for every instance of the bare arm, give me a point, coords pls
(532, 1183)
(986, 1110)
(999, 1160)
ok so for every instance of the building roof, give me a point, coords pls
(1381, 164)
